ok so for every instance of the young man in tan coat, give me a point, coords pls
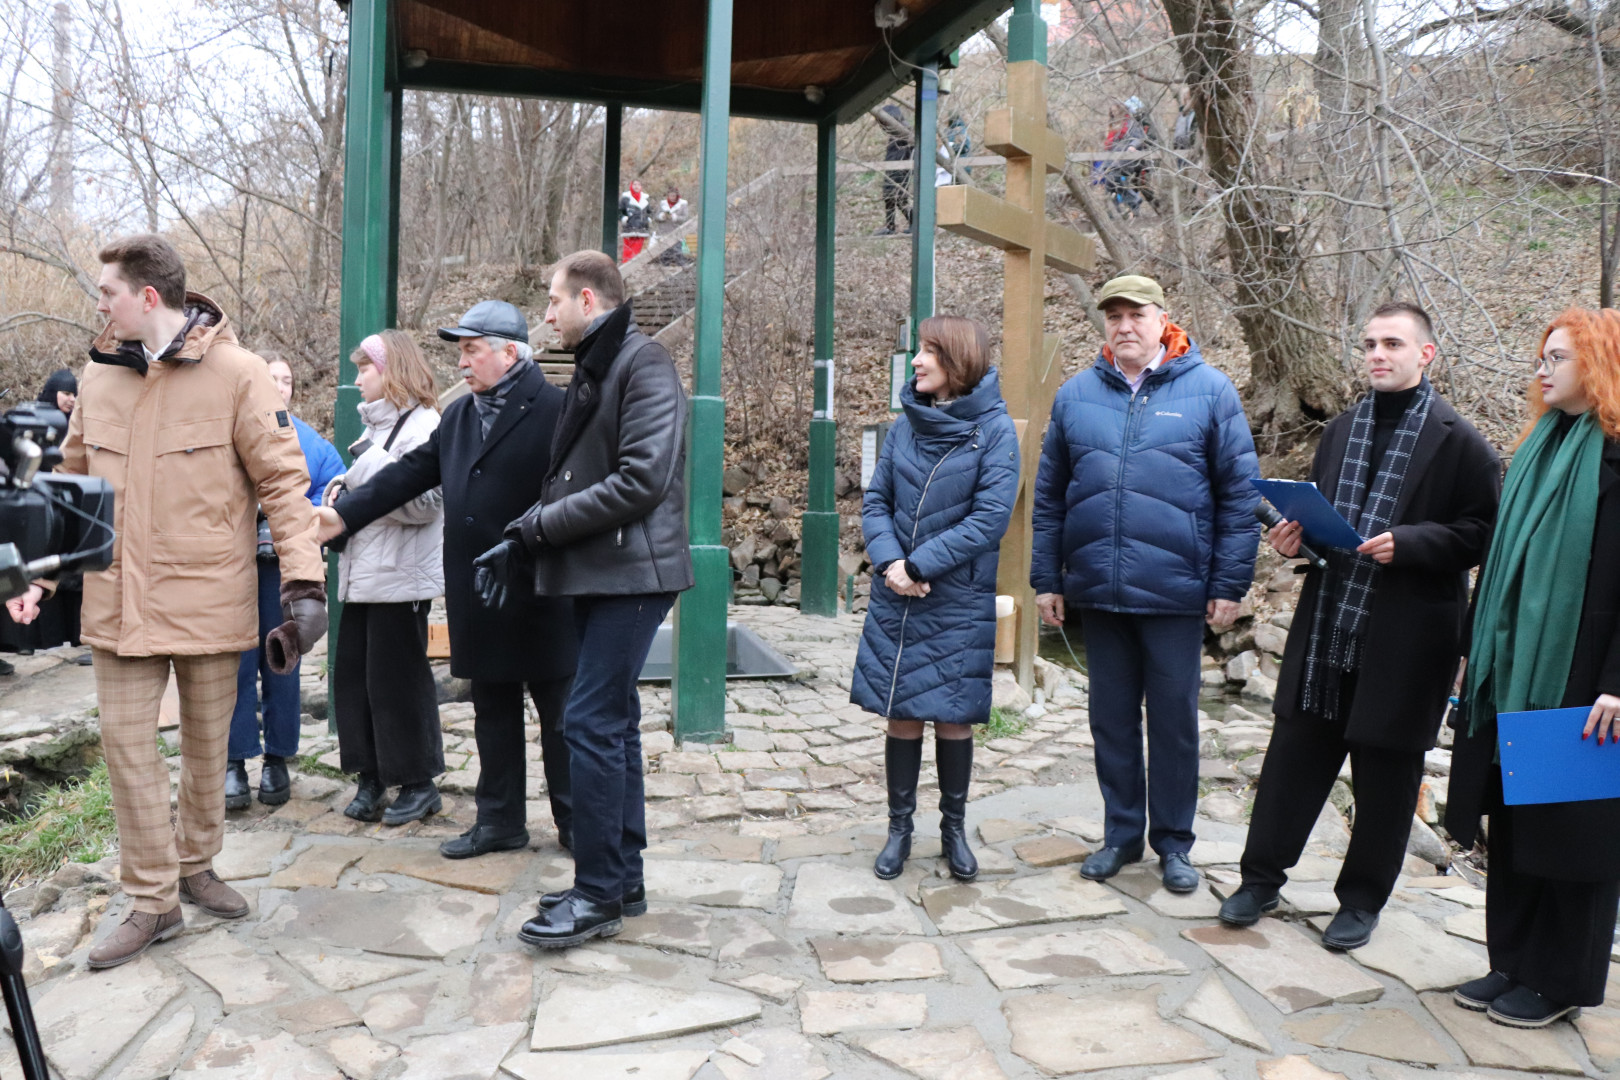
(189, 430)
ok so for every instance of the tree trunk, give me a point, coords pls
(1295, 381)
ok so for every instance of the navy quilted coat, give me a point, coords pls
(1142, 502)
(941, 496)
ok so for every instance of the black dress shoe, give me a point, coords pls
(275, 786)
(415, 801)
(571, 922)
(634, 901)
(1179, 875)
(1105, 863)
(367, 802)
(1351, 928)
(481, 840)
(1522, 1007)
(237, 793)
(1244, 907)
(1476, 996)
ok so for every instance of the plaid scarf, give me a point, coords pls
(1347, 588)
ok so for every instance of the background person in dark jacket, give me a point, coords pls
(489, 452)
(896, 184)
(1409, 473)
(938, 504)
(1554, 875)
(1144, 525)
(609, 530)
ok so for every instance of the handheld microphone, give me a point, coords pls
(1270, 518)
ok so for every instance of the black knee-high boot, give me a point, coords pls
(955, 760)
(902, 761)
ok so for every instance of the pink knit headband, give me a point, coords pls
(373, 348)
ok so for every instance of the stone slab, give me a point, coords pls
(249, 854)
(577, 1017)
(604, 958)
(1600, 1028)
(662, 1065)
(1085, 828)
(1493, 1046)
(1050, 850)
(88, 1018)
(1466, 895)
(494, 873)
(314, 1014)
(359, 1055)
(828, 1012)
(398, 1008)
(338, 971)
(863, 960)
(1059, 1033)
(420, 924)
(1144, 883)
(682, 929)
(1014, 962)
(844, 900)
(241, 977)
(461, 1055)
(787, 1056)
(1213, 1005)
(1057, 896)
(1467, 924)
(713, 883)
(320, 865)
(232, 1054)
(1284, 966)
(1000, 830)
(763, 983)
(1294, 1067)
(1420, 954)
(160, 1053)
(502, 987)
(1385, 1033)
(749, 939)
(934, 1054)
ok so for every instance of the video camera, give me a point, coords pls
(48, 523)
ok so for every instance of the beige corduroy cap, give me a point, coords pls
(1132, 287)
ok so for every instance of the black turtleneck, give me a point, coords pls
(1388, 408)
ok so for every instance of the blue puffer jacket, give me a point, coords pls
(941, 497)
(1142, 502)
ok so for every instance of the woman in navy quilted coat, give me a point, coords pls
(939, 501)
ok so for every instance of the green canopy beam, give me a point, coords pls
(818, 571)
(925, 138)
(612, 145)
(699, 685)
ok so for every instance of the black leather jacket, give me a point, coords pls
(611, 519)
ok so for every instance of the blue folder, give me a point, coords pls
(1300, 501)
(1544, 758)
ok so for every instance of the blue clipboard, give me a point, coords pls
(1544, 758)
(1303, 502)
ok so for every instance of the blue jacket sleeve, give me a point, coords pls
(1051, 506)
(877, 508)
(986, 523)
(320, 458)
(1233, 463)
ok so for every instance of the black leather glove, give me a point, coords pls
(303, 606)
(494, 571)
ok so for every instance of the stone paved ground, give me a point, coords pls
(770, 951)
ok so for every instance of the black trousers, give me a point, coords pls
(1302, 762)
(1552, 936)
(387, 705)
(502, 765)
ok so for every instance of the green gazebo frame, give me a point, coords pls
(382, 66)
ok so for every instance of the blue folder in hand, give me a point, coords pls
(1544, 758)
(1300, 501)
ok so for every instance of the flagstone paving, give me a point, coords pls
(770, 951)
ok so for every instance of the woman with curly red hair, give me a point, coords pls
(1546, 635)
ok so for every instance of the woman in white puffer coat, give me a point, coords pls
(388, 576)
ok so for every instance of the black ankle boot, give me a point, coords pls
(955, 760)
(237, 793)
(368, 796)
(902, 760)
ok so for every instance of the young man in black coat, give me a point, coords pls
(490, 453)
(1422, 484)
(609, 529)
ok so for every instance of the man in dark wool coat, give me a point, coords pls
(489, 453)
(1421, 484)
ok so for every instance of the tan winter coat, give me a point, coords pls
(190, 446)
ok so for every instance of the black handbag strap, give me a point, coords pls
(392, 435)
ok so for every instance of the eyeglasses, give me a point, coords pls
(1549, 362)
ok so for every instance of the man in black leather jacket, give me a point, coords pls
(610, 531)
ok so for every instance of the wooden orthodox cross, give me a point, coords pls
(1030, 372)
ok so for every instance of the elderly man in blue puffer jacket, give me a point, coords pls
(1144, 529)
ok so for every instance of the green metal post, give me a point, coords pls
(1026, 32)
(370, 230)
(612, 143)
(818, 572)
(699, 685)
(925, 139)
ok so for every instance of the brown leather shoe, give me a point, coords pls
(212, 895)
(134, 935)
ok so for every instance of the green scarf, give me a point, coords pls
(1534, 581)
